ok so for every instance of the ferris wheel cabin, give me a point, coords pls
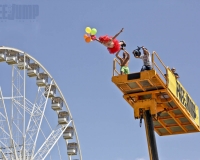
(33, 70)
(50, 91)
(3, 55)
(63, 117)
(68, 133)
(158, 90)
(23, 62)
(72, 148)
(42, 79)
(12, 57)
(56, 103)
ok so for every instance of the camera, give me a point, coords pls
(137, 52)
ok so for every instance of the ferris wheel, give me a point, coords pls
(35, 120)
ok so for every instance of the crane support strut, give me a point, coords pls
(151, 140)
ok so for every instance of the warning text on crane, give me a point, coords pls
(181, 94)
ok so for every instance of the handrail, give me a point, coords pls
(154, 65)
(114, 67)
(154, 53)
(159, 70)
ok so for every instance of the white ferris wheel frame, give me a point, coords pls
(54, 136)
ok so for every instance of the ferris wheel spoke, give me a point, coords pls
(27, 106)
(4, 131)
(29, 142)
(18, 73)
(17, 106)
(17, 88)
(18, 112)
(5, 147)
(52, 139)
(8, 125)
(41, 118)
(3, 155)
(17, 126)
(47, 122)
(36, 119)
(32, 124)
(59, 151)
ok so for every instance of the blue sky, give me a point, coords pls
(106, 127)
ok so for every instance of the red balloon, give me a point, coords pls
(93, 37)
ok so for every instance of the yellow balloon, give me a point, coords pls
(88, 30)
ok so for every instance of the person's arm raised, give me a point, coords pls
(118, 34)
(98, 40)
(145, 50)
(117, 55)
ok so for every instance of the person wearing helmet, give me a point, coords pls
(146, 57)
(174, 72)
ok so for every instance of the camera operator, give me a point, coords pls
(146, 57)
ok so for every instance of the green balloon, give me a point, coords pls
(93, 31)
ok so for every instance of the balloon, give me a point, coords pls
(88, 39)
(93, 31)
(88, 29)
(93, 37)
(85, 36)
